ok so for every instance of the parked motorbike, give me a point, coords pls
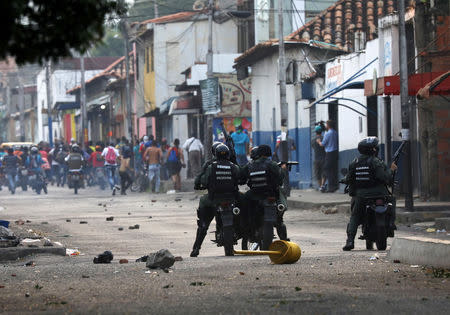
(75, 180)
(227, 226)
(376, 224)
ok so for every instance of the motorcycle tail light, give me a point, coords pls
(225, 204)
(271, 199)
(379, 202)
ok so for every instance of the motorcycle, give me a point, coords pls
(75, 180)
(37, 182)
(376, 224)
(141, 181)
(265, 217)
(227, 226)
(23, 178)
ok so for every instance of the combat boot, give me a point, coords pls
(282, 232)
(201, 234)
(350, 243)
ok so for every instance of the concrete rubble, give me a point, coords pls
(162, 259)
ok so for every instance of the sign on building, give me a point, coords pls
(210, 96)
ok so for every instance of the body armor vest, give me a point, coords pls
(364, 174)
(260, 180)
(222, 182)
(75, 161)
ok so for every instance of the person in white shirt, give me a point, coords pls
(111, 155)
(195, 151)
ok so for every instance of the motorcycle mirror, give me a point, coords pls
(344, 171)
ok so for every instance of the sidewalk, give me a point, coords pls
(313, 199)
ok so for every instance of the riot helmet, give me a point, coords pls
(368, 146)
(254, 153)
(214, 146)
(222, 152)
(264, 150)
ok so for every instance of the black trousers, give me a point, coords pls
(125, 181)
(331, 169)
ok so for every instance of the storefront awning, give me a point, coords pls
(183, 105)
(98, 101)
(390, 85)
(66, 105)
(165, 106)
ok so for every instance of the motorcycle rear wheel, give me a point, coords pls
(267, 235)
(369, 245)
(228, 241)
(381, 238)
(75, 187)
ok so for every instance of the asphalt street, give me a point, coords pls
(325, 280)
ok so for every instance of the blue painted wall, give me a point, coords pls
(301, 175)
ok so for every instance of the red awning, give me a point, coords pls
(391, 85)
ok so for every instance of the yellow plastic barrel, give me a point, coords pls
(280, 252)
(288, 252)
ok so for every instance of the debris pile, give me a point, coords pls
(8, 238)
(105, 258)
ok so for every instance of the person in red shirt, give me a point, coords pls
(98, 162)
(96, 158)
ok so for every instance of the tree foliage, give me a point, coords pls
(111, 45)
(34, 31)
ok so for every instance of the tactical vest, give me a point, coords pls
(75, 161)
(364, 173)
(260, 181)
(222, 183)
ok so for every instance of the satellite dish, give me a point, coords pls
(199, 5)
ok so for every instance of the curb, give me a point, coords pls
(14, 253)
(443, 223)
(422, 216)
(305, 205)
(421, 251)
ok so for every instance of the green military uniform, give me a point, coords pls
(253, 196)
(209, 202)
(381, 177)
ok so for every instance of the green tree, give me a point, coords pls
(111, 45)
(34, 31)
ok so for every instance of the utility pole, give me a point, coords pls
(21, 109)
(49, 103)
(127, 78)
(284, 111)
(84, 122)
(209, 62)
(405, 108)
(155, 8)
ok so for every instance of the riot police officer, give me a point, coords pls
(221, 179)
(197, 181)
(367, 176)
(264, 177)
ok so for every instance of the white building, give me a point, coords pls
(323, 90)
(166, 47)
(64, 75)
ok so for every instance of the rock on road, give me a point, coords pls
(325, 280)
